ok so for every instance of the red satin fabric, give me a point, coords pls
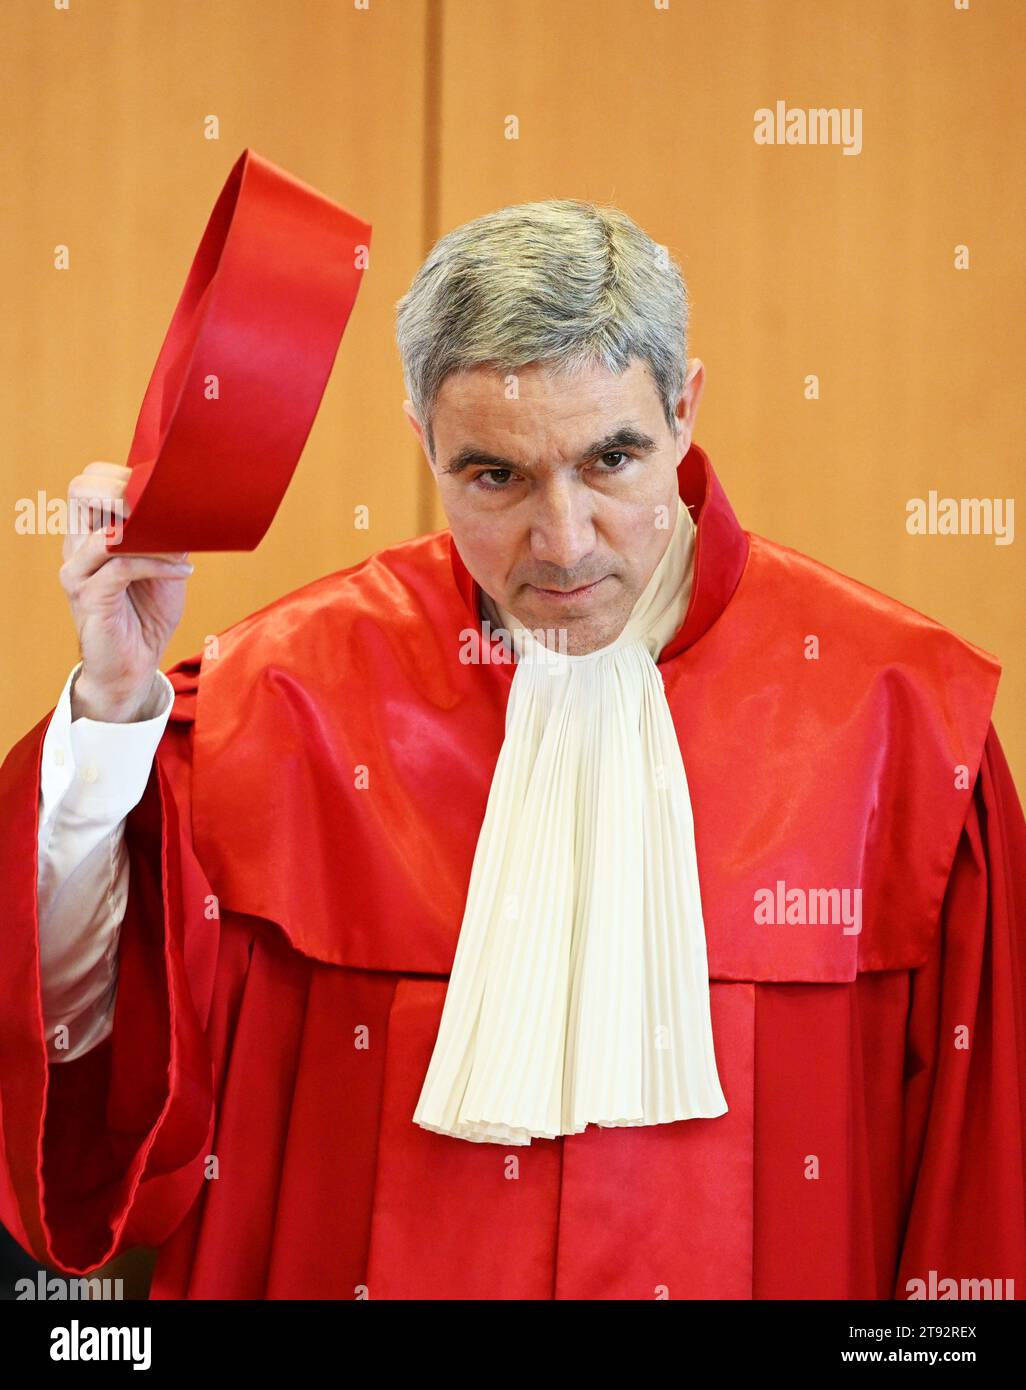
(263, 310)
(860, 1149)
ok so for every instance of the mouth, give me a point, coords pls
(558, 596)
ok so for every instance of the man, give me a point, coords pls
(409, 973)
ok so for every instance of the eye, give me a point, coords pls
(616, 454)
(498, 483)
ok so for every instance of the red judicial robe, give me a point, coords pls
(299, 864)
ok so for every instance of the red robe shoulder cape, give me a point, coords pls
(299, 865)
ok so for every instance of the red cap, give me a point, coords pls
(244, 364)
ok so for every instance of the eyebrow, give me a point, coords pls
(622, 437)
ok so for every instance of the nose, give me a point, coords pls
(562, 527)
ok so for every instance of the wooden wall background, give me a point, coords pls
(799, 259)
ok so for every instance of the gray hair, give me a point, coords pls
(562, 282)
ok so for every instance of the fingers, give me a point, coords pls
(119, 572)
(115, 469)
(91, 556)
(96, 499)
(100, 481)
(122, 570)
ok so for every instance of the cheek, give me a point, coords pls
(487, 546)
(638, 534)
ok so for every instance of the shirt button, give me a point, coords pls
(58, 756)
(89, 774)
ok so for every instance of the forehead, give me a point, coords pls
(539, 403)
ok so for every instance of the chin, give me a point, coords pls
(584, 632)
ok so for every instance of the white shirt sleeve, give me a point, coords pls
(92, 775)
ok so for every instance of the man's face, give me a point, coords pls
(555, 498)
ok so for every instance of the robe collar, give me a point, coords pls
(721, 552)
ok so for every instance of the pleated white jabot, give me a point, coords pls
(579, 992)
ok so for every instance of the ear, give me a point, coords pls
(418, 431)
(687, 406)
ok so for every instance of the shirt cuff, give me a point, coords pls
(97, 765)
